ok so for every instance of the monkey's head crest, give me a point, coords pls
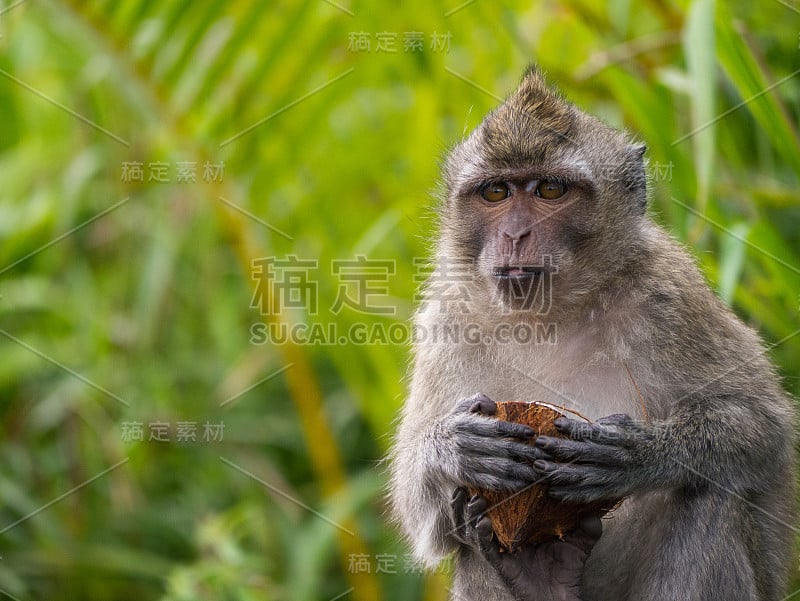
(533, 120)
(535, 127)
(535, 101)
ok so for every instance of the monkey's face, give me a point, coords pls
(542, 199)
(525, 230)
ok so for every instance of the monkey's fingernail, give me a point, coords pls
(528, 432)
(540, 465)
(541, 442)
(561, 422)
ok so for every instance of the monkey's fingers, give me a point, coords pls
(613, 430)
(589, 494)
(474, 444)
(504, 448)
(484, 536)
(488, 544)
(583, 483)
(496, 473)
(572, 474)
(492, 428)
(473, 515)
(565, 449)
(458, 505)
(476, 508)
(479, 403)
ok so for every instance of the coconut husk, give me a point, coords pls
(531, 516)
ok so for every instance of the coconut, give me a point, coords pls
(531, 516)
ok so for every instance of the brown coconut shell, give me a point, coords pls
(531, 516)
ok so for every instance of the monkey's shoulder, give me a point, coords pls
(669, 302)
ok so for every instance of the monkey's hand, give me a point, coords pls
(476, 451)
(601, 461)
(549, 571)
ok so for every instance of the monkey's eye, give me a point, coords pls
(550, 189)
(495, 192)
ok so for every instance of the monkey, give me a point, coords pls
(543, 226)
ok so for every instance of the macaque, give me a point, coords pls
(543, 219)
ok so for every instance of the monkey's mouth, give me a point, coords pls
(517, 272)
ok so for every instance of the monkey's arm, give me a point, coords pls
(725, 440)
(441, 448)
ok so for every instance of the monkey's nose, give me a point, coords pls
(516, 234)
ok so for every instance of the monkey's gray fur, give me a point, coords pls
(706, 466)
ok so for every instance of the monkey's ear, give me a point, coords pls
(634, 177)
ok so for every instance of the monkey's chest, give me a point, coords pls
(571, 380)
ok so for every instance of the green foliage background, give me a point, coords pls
(143, 313)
